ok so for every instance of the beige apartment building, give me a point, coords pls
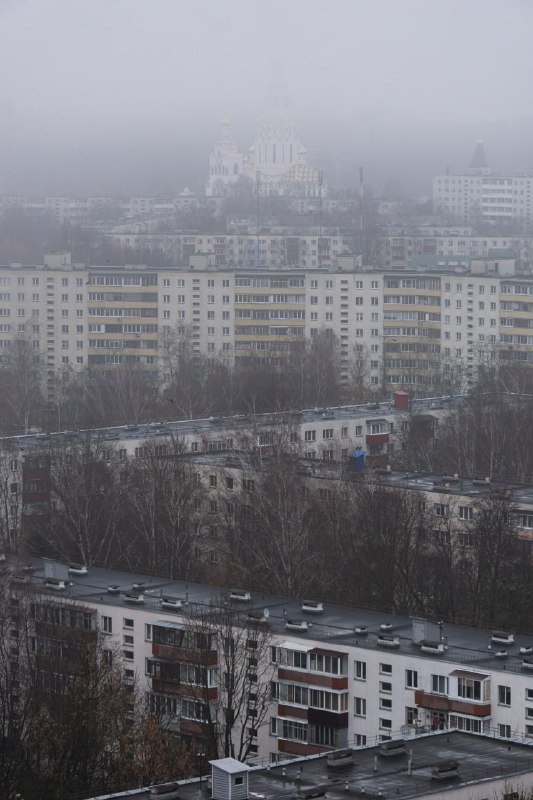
(244, 250)
(423, 329)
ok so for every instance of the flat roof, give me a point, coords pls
(480, 759)
(468, 648)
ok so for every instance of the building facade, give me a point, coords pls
(481, 195)
(337, 676)
(428, 329)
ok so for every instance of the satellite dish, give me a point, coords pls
(266, 613)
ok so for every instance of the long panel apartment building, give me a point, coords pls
(414, 329)
(337, 676)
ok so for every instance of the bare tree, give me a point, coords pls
(161, 489)
(21, 381)
(70, 721)
(85, 503)
(231, 713)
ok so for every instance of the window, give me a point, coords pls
(273, 726)
(128, 623)
(148, 632)
(385, 687)
(504, 695)
(441, 509)
(327, 433)
(360, 670)
(411, 679)
(385, 669)
(470, 689)
(127, 639)
(385, 724)
(359, 706)
(385, 703)
(360, 740)
(107, 625)
(128, 655)
(239, 780)
(466, 512)
(505, 732)
(213, 481)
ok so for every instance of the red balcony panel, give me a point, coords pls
(377, 438)
(174, 653)
(437, 702)
(292, 711)
(312, 678)
(300, 748)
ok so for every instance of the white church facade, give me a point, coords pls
(277, 160)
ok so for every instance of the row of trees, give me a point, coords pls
(376, 546)
(190, 385)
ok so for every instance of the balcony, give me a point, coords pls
(300, 748)
(377, 438)
(436, 702)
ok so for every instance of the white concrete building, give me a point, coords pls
(339, 676)
(479, 194)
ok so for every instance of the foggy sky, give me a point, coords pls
(127, 95)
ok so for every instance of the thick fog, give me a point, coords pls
(127, 95)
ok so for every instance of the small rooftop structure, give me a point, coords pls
(229, 779)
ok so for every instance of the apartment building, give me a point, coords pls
(428, 328)
(81, 210)
(235, 451)
(264, 248)
(403, 248)
(338, 676)
(480, 195)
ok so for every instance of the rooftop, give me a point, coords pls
(189, 427)
(336, 626)
(479, 759)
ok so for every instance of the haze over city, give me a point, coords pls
(127, 96)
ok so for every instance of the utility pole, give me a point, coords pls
(320, 181)
(257, 208)
(361, 215)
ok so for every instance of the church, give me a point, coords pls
(277, 160)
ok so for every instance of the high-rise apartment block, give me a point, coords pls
(426, 329)
(481, 195)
